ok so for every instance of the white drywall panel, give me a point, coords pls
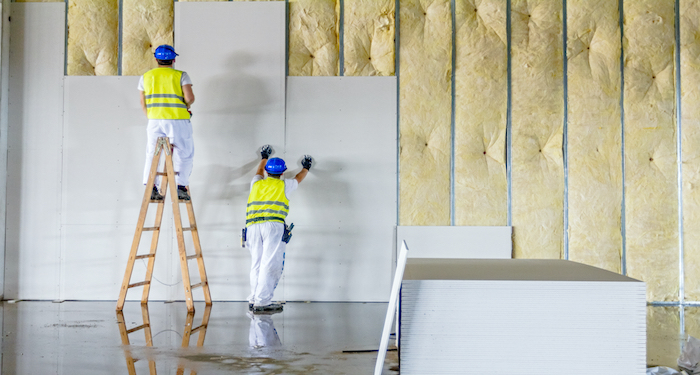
(345, 210)
(235, 54)
(34, 151)
(457, 242)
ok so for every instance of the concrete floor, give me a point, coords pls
(85, 338)
(307, 338)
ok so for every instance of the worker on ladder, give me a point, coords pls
(266, 233)
(166, 97)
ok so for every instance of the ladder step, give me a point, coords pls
(150, 229)
(198, 328)
(139, 284)
(203, 283)
(145, 256)
(137, 328)
(192, 256)
(161, 174)
(186, 229)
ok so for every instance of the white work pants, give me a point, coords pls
(262, 331)
(264, 241)
(180, 134)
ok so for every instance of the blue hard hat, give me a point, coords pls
(275, 166)
(165, 52)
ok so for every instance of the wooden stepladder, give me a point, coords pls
(163, 146)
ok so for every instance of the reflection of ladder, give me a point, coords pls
(146, 326)
(163, 145)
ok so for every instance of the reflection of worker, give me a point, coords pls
(166, 96)
(262, 331)
(268, 206)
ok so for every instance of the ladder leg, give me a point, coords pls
(178, 229)
(205, 325)
(139, 230)
(198, 252)
(188, 330)
(125, 341)
(154, 243)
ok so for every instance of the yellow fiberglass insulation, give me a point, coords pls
(481, 96)
(40, 1)
(93, 37)
(651, 185)
(690, 105)
(663, 330)
(313, 38)
(425, 112)
(369, 37)
(146, 25)
(594, 133)
(538, 116)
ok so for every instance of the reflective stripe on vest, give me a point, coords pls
(164, 97)
(267, 202)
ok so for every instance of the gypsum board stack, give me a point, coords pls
(520, 316)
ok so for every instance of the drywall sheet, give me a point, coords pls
(93, 37)
(369, 37)
(34, 151)
(663, 336)
(456, 242)
(594, 133)
(345, 210)
(146, 24)
(313, 38)
(481, 97)
(651, 185)
(690, 97)
(425, 107)
(538, 117)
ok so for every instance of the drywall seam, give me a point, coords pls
(565, 131)
(679, 162)
(452, 113)
(509, 117)
(623, 224)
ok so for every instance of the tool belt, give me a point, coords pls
(286, 235)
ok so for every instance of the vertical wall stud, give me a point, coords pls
(623, 224)
(509, 117)
(565, 144)
(452, 129)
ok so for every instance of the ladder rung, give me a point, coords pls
(198, 328)
(150, 229)
(189, 229)
(192, 256)
(157, 201)
(145, 256)
(198, 285)
(161, 174)
(137, 328)
(139, 284)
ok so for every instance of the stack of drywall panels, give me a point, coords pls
(489, 316)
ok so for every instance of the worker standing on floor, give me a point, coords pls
(266, 231)
(166, 97)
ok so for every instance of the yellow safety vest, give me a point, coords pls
(164, 97)
(267, 202)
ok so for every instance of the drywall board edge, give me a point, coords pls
(456, 241)
(4, 125)
(344, 211)
(34, 135)
(507, 269)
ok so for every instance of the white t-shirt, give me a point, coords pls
(289, 185)
(184, 80)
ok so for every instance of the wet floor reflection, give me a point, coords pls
(262, 331)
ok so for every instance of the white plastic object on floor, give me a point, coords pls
(661, 370)
(391, 310)
(690, 356)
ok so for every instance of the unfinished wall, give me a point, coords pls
(594, 133)
(425, 112)
(651, 191)
(369, 37)
(481, 98)
(146, 24)
(538, 116)
(93, 37)
(690, 109)
(663, 327)
(313, 38)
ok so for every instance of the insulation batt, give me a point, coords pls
(538, 116)
(594, 133)
(651, 185)
(313, 38)
(690, 109)
(369, 37)
(663, 328)
(146, 25)
(425, 106)
(481, 97)
(93, 37)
